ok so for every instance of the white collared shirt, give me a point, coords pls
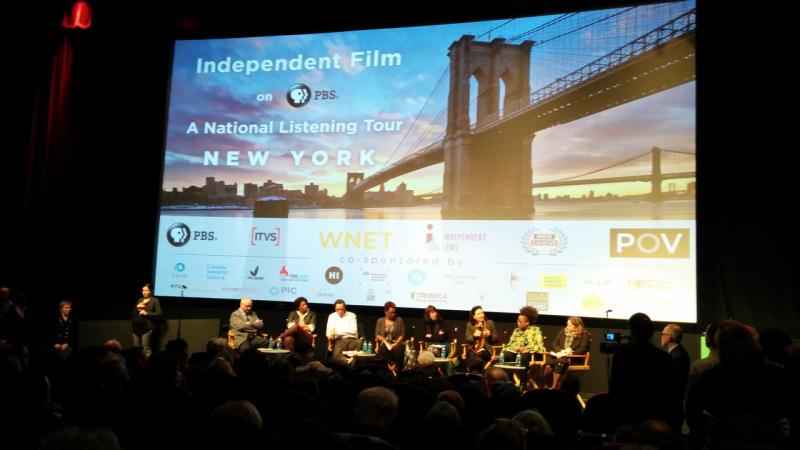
(345, 327)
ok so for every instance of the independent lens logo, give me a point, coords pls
(298, 95)
(178, 234)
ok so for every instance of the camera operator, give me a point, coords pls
(641, 376)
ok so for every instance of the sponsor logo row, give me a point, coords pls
(623, 242)
(416, 280)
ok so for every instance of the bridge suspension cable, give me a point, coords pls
(416, 118)
(605, 168)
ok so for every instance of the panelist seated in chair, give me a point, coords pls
(246, 326)
(342, 333)
(300, 326)
(525, 339)
(481, 334)
(390, 332)
(574, 339)
(436, 337)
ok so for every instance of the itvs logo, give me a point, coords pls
(273, 237)
(179, 234)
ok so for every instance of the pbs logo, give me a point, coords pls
(178, 234)
(298, 95)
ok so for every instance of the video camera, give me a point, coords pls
(614, 342)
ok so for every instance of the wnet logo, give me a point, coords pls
(178, 234)
(649, 243)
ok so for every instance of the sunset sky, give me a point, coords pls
(414, 92)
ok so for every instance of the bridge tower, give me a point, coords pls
(487, 175)
(354, 199)
(655, 183)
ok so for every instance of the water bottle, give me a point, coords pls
(271, 343)
(369, 347)
(365, 347)
(502, 357)
(519, 359)
(279, 344)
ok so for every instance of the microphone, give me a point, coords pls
(183, 286)
(609, 310)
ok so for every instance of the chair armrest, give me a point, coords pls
(539, 358)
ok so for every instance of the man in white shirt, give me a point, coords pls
(342, 332)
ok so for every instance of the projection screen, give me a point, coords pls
(547, 161)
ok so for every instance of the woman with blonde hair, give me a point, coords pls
(573, 339)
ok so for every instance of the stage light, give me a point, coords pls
(79, 17)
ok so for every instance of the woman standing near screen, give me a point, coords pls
(145, 315)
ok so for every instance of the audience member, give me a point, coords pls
(641, 376)
(671, 338)
(742, 402)
(65, 330)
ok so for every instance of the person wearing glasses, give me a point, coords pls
(671, 338)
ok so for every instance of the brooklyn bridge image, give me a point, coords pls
(488, 170)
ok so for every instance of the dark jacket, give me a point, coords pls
(309, 319)
(143, 324)
(580, 344)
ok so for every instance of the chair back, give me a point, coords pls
(579, 363)
(231, 340)
(360, 330)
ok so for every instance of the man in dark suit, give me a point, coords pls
(245, 326)
(641, 376)
(65, 331)
(671, 337)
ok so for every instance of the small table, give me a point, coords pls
(273, 351)
(445, 366)
(513, 370)
(354, 355)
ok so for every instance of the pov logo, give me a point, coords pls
(298, 95)
(178, 234)
(649, 243)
